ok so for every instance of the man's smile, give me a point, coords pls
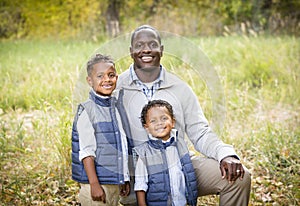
(147, 59)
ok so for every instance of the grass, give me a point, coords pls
(259, 76)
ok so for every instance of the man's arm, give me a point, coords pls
(198, 130)
(207, 142)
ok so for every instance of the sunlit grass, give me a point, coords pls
(260, 78)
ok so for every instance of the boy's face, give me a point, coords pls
(103, 78)
(159, 122)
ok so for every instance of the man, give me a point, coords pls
(220, 171)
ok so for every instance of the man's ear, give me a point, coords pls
(161, 50)
(89, 80)
(130, 50)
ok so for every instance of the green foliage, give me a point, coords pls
(256, 64)
(10, 18)
(260, 77)
(50, 18)
(88, 19)
(36, 75)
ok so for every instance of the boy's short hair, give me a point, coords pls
(155, 103)
(97, 58)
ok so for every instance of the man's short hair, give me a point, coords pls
(145, 27)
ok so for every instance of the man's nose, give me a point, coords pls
(146, 47)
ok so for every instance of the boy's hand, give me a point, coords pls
(125, 189)
(97, 193)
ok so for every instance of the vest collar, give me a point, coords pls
(102, 101)
(159, 144)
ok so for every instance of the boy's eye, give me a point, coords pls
(165, 118)
(152, 121)
(111, 75)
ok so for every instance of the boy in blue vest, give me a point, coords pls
(99, 145)
(164, 173)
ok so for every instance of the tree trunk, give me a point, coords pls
(112, 18)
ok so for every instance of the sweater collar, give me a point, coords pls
(134, 78)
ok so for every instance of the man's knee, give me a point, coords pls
(237, 193)
(240, 186)
(246, 181)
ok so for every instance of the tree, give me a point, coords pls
(113, 18)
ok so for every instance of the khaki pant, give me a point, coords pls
(111, 192)
(210, 182)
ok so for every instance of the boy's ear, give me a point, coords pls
(173, 122)
(146, 127)
(89, 80)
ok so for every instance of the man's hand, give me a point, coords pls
(98, 193)
(125, 189)
(231, 169)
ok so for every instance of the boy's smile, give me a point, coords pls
(103, 78)
(159, 122)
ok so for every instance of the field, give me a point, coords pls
(259, 79)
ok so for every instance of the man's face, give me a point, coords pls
(103, 78)
(146, 50)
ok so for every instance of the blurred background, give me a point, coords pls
(253, 45)
(96, 18)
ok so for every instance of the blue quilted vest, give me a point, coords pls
(109, 158)
(159, 191)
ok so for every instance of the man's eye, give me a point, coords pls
(139, 45)
(153, 45)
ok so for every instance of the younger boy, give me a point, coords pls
(164, 172)
(99, 146)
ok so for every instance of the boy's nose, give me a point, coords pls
(159, 122)
(105, 77)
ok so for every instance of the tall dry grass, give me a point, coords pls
(260, 81)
